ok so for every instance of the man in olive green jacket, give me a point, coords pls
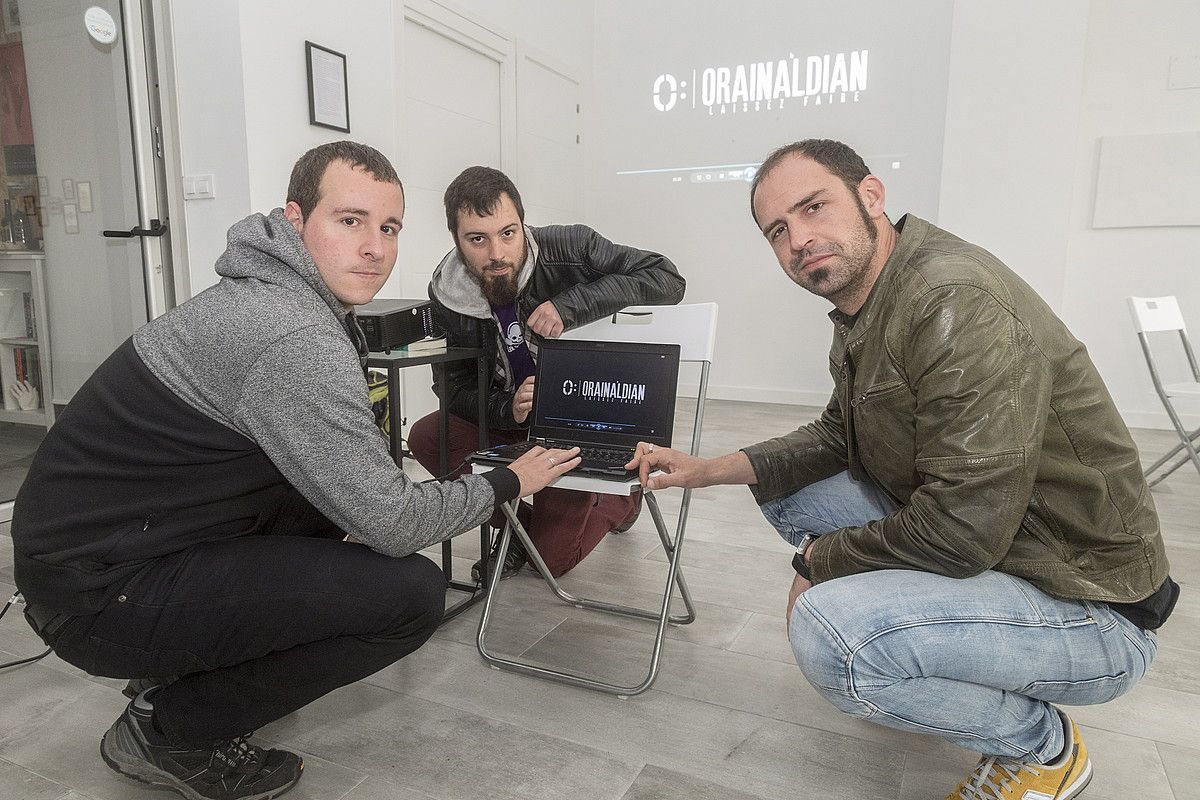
(975, 539)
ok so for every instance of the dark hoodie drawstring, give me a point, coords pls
(359, 340)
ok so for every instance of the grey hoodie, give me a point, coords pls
(266, 353)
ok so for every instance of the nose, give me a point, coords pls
(799, 236)
(496, 250)
(372, 244)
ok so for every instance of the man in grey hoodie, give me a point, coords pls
(216, 511)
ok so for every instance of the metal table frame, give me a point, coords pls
(397, 360)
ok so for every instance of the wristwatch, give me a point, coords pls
(798, 562)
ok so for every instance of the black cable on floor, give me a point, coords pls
(11, 602)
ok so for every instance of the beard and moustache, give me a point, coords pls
(844, 273)
(499, 290)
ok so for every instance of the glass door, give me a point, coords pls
(84, 258)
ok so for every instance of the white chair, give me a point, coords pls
(694, 328)
(1155, 315)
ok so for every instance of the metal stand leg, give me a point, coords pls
(674, 579)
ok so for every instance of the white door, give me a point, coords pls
(455, 86)
(81, 185)
(549, 139)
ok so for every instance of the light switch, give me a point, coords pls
(199, 187)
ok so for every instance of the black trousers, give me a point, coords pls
(258, 626)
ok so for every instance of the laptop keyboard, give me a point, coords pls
(604, 457)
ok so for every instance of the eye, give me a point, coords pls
(390, 230)
(476, 239)
(349, 222)
(508, 234)
(814, 208)
(776, 231)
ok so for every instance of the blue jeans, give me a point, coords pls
(976, 661)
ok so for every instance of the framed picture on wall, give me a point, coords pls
(328, 93)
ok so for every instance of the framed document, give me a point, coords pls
(328, 95)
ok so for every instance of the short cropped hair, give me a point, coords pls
(478, 189)
(304, 188)
(838, 158)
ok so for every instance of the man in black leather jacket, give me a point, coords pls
(503, 287)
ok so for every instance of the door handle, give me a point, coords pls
(157, 228)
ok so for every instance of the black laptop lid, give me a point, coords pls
(605, 393)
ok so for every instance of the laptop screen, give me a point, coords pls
(609, 393)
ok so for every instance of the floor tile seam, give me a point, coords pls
(603, 749)
(350, 791)
(474, 711)
(817, 729)
(1106, 728)
(738, 635)
(637, 765)
(67, 789)
(1163, 762)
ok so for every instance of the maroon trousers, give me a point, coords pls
(565, 525)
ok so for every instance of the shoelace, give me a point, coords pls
(992, 777)
(238, 755)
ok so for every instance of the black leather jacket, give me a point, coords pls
(585, 275)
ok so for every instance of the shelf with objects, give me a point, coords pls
(25, 384)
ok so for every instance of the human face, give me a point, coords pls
(351, 233)
(824, 235)
(493, 248)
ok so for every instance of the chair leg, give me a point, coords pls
(1185, 442)
(1168, 456)
(662, 615)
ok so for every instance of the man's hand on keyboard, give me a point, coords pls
(539, 467)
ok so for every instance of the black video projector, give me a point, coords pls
(391, 324)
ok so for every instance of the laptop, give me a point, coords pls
(602, 397)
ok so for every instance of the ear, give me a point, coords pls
(294, 215)
(871, 191)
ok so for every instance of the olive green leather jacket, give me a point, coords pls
(966, 399)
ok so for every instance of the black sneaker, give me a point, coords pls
(232, 770)
(514, 559)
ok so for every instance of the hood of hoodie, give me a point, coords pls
(269, 249)
(454, 286)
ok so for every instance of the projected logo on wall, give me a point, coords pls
(832, 78)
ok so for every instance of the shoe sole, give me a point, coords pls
(1079, 784)
(145, 772)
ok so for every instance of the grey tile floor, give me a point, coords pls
(730, 716)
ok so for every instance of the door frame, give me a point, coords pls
(150, 80)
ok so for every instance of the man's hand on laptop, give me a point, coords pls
(676, 468)
(545, 321)
(523, 400)
(539, 467)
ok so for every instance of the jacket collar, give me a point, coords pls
(455, 287)
(912, 232)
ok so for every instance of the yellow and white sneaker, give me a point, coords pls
(1004, 779)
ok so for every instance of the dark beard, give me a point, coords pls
(499, 291)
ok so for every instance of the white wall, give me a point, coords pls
(1125, 92)
(773, 337)
(1016, 75)
(207, 51)
(242, 92)
(1032, 87)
